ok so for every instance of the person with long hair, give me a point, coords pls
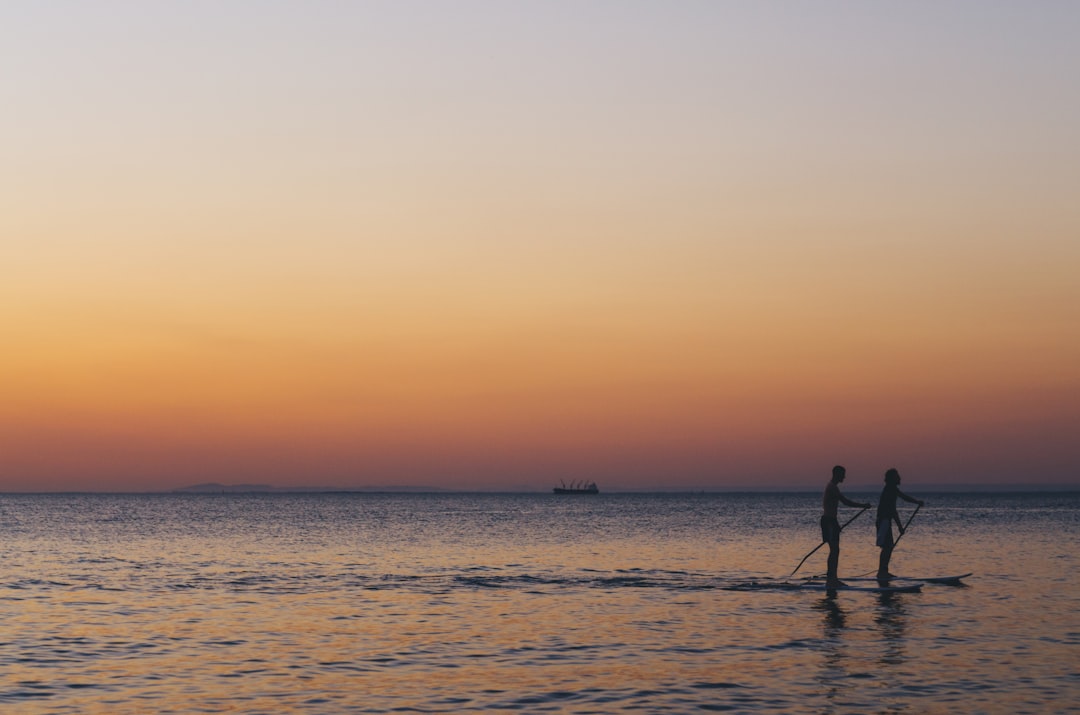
(886, 515)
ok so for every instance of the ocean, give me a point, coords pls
(451, 603)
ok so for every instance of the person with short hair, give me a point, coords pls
(886, 515)
(830, 526)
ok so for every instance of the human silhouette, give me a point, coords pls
(886, 515)
(830, 526)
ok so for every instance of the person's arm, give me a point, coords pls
(899, 524)
(854, 503)
(911, 500)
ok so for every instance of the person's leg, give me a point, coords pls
(885, 541)
(834, 561)
(883, 562)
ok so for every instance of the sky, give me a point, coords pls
(496, 245)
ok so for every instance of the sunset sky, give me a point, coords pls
(489, 244)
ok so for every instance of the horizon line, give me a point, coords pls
(214, 488)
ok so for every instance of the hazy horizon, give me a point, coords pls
(464, 244)
(239, 489)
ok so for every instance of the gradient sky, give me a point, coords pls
(483, 244)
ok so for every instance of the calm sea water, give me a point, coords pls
(331, 603)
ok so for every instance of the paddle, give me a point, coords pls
(917, 507)
(804, 558)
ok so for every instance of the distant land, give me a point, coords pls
(216, 488)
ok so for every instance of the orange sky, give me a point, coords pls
(498, 247)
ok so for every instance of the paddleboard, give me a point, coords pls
(942, 579)
(948, 580)
(905, 588)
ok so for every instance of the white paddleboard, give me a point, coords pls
(950, 580)
(904, 588)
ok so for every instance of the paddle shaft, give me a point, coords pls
(823, 542)
(917, 507)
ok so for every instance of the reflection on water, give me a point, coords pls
(458, 603)
(835, 618)
(834, 672)
(891, 621)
